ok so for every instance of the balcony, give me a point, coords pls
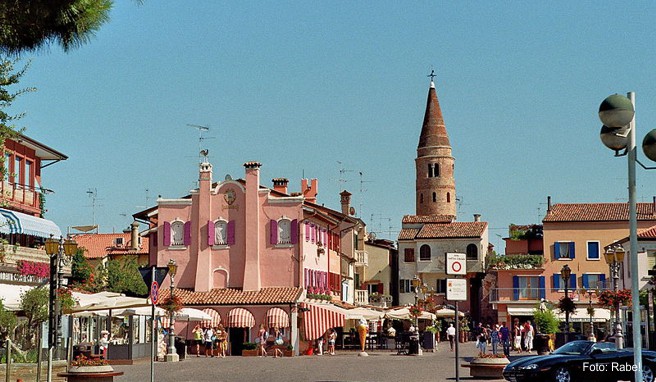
(361, 259)
(20, 195)
(361, 297)
(517, 295)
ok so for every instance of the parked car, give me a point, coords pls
(582, 361)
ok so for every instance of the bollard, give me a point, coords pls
(8, 342)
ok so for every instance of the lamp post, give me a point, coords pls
(614, 257)
(416, 283)
(565, 273)
(617, 113)
(590, 292)
(56, 249)
(172, 355)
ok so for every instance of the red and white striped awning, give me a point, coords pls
(240, 318)
(319, 319)
(277, 317)
(216, 317)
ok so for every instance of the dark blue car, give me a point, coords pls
(582, 361)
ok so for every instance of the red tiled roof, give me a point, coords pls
(443, 231)
(228, 296)
(649, 233)
(427, 219)
(591, 212)
(99, 245)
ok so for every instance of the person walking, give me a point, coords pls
(481, 342)
(198, 338)
(221, 336)
(451, 335)
(331, 341)
(494, 339)
(262, 337)
(504, 335)
(517, 338)
(528, 336)
(207, 338)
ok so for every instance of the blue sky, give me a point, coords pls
(302, 86)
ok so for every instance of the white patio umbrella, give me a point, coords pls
(404, 314)
(448, 313)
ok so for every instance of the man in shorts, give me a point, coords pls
(207, 338)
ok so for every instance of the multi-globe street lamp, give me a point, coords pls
(590, 292)
(615, 257)
(56, 249)
(172, 354)
(617, 113)
(566, 273)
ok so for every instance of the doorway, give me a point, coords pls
(237, 337)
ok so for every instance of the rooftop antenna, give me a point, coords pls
(362, 191)
(342, 173)
(93, 194)
(202, 154)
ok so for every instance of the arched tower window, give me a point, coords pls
(430, 170)
(425, 253)
(421, 198)
(436, 170)
(472, 252)
(448, 197)
(434, 197)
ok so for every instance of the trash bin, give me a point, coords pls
(181, 347)
(413, 347)
(428, 341)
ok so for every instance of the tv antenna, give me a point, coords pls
(93, 194)
(342, 175)
(362, 191)
(202, 153)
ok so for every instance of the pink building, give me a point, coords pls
(252, 253)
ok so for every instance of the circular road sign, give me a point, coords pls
(154, 292)
(456, 266)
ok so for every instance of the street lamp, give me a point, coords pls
(56, 249)
(172, 355)
(616, 113)
(565, 273)
(590, 292)
(614, 257)
(416, 283)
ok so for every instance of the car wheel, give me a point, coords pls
(647, 373)
(562, 375)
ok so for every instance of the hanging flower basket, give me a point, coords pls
(610, 299)
(172, 304)
(415, 310)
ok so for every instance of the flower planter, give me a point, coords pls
(101, 373)
(249, 353)
(487, 367)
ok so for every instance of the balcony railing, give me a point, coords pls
(516, 294)
(20, 194)
(361, 258)
(361, 297)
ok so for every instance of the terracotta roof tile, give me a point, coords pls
(649, 233)
(591, 212)
(99, 245)
(408, 233)
(229, 296)
(427, 219)
(452, 230)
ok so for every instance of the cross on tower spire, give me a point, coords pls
(432, 75)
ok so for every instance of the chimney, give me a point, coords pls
(548, 204)
(134, 236)
(653, 205)
(310, 191)
(346, 202)
(477, 217)
(280, 184)
(252, 275)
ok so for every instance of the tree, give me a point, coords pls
(7, 322)
(8, 78)
(123, 277)
(30, 25)
(34, 303)
(81, 270)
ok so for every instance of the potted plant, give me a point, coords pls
(488, 366)
(289, 351)
(546, 324)
(249, 349)
(82, 364)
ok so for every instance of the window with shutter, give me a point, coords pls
(273, 232)
(231, 232)
(210, 233)
(177, 233)
(166, 237)
(187, 233)
(556, 281)
(294, 231)
(593, 250)
(409, 255)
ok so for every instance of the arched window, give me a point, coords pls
(425, 252)
(436, 170)
(220, 232)
(430, 170)
(434, 197)
(177, 233)
(284, 231)
(472, 252)
(421, 198)
(448, 197)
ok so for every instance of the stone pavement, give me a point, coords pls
(382, 365)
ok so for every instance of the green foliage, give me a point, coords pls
(8, 78)
(31, 25)
(249, 346)
(566, 305)
(546, 321)
(7, 321)
(515, 262)
(34, 303)
(81, 270)
(123, 277)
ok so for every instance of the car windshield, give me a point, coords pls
(573, 348)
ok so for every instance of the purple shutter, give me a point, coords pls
(210, 233)
(307, 277)
(313, 230)
(273, 233)
(231, 232)
(294, 228)
(167, 234)
(187, 233)
(307, 231)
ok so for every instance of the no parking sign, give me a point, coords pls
(456, 264)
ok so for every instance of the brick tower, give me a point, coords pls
(436, 185)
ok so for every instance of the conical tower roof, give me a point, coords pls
(433, 131)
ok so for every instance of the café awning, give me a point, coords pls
(318, 318)
(19, 222)
(240, 318)
(277, 317)
(215, 317)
